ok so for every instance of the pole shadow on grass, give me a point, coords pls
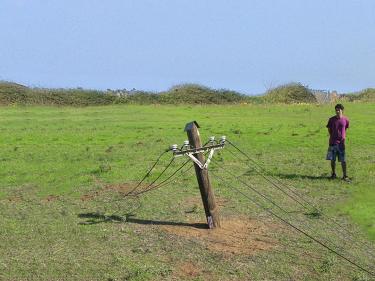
(95, 218)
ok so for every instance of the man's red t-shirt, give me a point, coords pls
(338, 128)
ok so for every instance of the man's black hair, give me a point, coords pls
(339, 105)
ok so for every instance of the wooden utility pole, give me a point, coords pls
(207, 194)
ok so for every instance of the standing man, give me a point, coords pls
(337, 126)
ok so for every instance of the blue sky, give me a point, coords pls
(247, 46)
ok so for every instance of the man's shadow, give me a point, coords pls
(95, 218)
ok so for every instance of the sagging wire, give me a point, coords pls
(132, 193)
(164, 182)
(251, 187)
(341, 229)
(295, 227)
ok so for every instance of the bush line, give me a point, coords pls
(16, 94)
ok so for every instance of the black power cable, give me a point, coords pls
(297, 228)
(164, 182)
(149, 171)
(260, 167)
(341, 229)
(274, 203)
(315, 209)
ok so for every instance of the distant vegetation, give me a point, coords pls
(11, 93)
(16, 94)
(364, 95)
(196, 94)
(290, 93)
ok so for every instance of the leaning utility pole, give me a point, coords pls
(207, 194)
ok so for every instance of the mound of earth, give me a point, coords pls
(235, 236)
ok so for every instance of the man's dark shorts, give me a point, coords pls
(336, 151)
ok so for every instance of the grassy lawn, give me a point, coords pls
(63, 217)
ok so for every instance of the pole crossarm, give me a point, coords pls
(191, 152)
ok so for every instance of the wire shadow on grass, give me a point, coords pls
(95, 218)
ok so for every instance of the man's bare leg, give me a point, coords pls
(343, 165)
(333, 167)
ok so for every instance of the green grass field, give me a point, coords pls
(62, 218)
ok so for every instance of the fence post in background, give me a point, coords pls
(207, 194)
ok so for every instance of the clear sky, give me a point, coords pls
(243, 45)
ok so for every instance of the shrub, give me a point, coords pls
(11, 93)
(366, 95)
(140, 97)
(197, 94)
(290, 93)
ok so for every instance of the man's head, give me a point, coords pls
(339, 108)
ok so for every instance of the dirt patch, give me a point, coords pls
(122, 189)
(130, 188)
(235, 236)
(190, 271)
(50, 198)
(15, 199)
(90, 196)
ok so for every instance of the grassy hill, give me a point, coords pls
(197, 94)
(15, 94)
(290, 93)
(366, 95)
(11, 93)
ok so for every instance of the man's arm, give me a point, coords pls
(329, 127)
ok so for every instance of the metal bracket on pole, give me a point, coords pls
(191, 152)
